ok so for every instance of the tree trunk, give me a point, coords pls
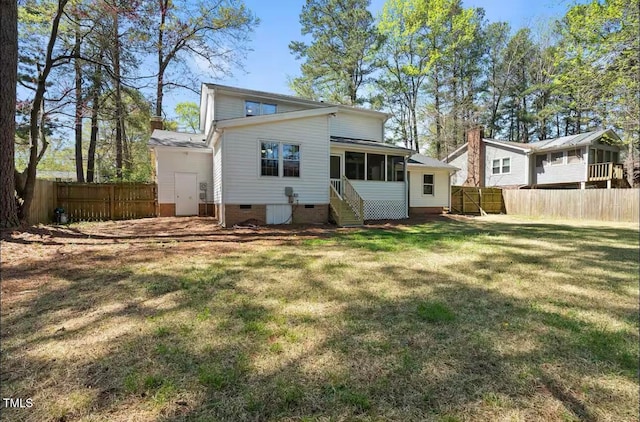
(93, 140)
(118, 93)
(9, 71)
(438, 118)
(164, 6)
(26, 187)
(79, 106)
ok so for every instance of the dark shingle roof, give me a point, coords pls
(423, 160)
(367, 143)
(166, 138)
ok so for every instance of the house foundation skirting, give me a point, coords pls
(257, 213)
(169, 210)
(418, 211)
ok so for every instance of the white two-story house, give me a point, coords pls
(278, 159)
(590, 159)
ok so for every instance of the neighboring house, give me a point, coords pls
(590, 159)
(279, 159)
(57, 175)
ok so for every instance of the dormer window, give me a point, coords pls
(253, 108)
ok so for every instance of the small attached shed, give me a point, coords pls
(429, 185)
(183, 171)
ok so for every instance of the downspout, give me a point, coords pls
(406, 186)
(449, 193)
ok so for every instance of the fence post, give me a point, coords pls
(112, 202)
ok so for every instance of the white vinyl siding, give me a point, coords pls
(518, 166)
(561, 173)
(461, 161)
(379, 191)
(174, 161)
(242, 182)
(217, 172)
(232, 107)
(357, 126)
(440, 197)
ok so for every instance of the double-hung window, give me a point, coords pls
(501, 166)
(427, 184)
(270, 159)
(279, 155)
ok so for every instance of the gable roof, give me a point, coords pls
(292, 99)
(420, 160)
(586, 138)
(563, 142)
(167, 138)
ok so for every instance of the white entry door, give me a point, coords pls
(186, 191)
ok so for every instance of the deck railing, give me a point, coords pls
(605, 171)
(337, 184)
(352, 197)
(335, 200)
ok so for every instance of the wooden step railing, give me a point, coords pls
(353, 198)
(605, 171)
(344, 212)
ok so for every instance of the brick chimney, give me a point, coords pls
(475, 157)
(156, 123)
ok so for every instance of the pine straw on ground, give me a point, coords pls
(447, 320)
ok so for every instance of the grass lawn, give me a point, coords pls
(479, 319)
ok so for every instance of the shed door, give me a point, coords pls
(186, 193)
(279, 214)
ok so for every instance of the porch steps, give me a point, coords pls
(341, 211)
(347, 217)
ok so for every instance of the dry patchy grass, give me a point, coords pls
(175, 319)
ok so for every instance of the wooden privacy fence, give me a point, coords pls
(107, 201)
(43, 202)
(473, 200)
(584, 204)
(94, 201)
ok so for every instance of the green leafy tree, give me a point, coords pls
(340, 60)
(188, 116)
(213, 32)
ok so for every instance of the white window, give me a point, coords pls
(506, 165)
(253, 108)
(557, 158)
(501, 166)
(427, 184)
(277, 155)
(290, 160)
(270, 159)
(541, 160)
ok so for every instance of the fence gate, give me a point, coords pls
(474, 200)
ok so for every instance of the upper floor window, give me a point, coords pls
(541, 160)
(501, 166)
(253, 108)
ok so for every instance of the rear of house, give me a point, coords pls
(277, 159)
